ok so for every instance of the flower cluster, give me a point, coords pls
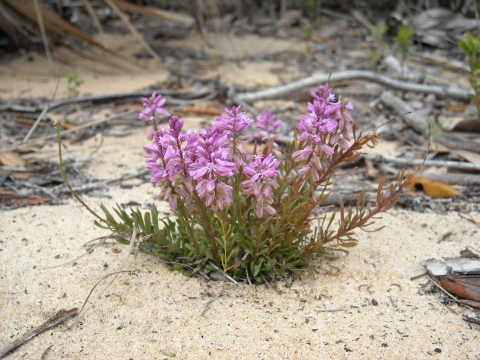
(267, 125)
(201, 165)
(250, 214)
(327, 123)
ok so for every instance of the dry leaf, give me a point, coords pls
(456, 108)
(136, 107)
(371, 171)
(468, 125)
(435, 190)
(11, 159)
(203, 110)
(25, 202)
(467, 287)
(8, 192)
(470, 156)
(22, 175)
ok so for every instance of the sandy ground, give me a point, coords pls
(386, 316)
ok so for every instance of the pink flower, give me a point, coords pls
(153, 107)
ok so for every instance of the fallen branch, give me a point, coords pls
(454, 179)
(417, 162)
(441, 91)
(59, 317)
(167, 93)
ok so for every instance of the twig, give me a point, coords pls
(103, 239)
(168, 93)
(45, 352)
(418, 276)
(207, 305)
(42, 114)
(470, 319)
(42, 139)
(333, 309)
(447, 293)
(42, 189)
(59, 317)
(127, 255)
(441, 91)
(417, 162)
(65, 180)
(469, 215)
(42, 32)
(90, 294)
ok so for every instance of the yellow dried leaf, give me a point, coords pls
(435, 190)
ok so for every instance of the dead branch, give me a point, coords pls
(167, 93)
(59, 317)
(441, 91)
(454, 179)
(418, 162)
(413, 120)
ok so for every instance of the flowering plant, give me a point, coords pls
(251, 214)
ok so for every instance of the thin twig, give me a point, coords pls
(45, 352)
(43, 33)
(333, 309)
(127, 255)
(207, 305)
(90, 294)
(44, 111)
(103, 239)
(59, 317)
(470, 319)
(447, 293)
(418, 276)
(65, 180)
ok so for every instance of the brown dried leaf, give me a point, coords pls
(203, 110)
(435, 190)
(11, 159)
(8, 192)
(456, 108)
(468, 125)
(467, 287)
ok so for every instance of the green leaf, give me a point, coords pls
(168, 353)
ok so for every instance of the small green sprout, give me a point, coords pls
(378, 33)
(471, 47)
(307, 30)
(404, 40)
(73, 83)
